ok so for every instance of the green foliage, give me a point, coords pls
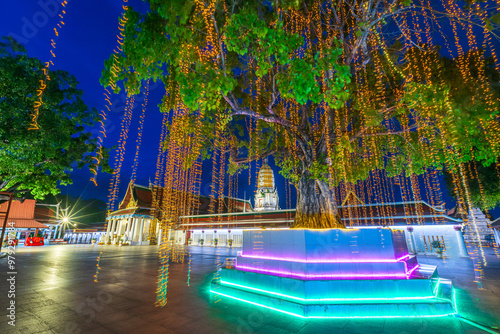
(483, 183)
(239, 61)
(37, 161)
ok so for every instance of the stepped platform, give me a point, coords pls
(364, 273)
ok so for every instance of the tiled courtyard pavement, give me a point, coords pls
(55, 293)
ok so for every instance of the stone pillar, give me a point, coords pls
(141, 230)
(112, 225)
(132, 230)
(121, 227)
(412, 240)
(129, 227)
(55, 231)
(50, 233)
(116, 229)
(460, 241)
(108, 228)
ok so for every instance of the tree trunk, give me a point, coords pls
(316, 206)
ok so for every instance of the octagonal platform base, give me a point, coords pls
(354, 280)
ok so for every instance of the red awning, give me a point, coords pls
(24, 223)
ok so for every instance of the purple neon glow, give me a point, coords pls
(402, 258)
(308, 276)
(412, 270)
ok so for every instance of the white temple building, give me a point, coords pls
(266, 195)
(421, 222)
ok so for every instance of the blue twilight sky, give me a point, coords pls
(84, 43)
(86, 40)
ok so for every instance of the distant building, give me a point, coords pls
(136, 219)
(422, 223)
(85, 236)
(266, 196)
(22, 218)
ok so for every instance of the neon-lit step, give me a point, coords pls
(425, 287)
(330, 270)
(338, 298)
(331, 245)
(335, 273)
(435, 307)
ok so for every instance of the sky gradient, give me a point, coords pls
(86, 40)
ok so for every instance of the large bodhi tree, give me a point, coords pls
(322, 85)
(38, 161)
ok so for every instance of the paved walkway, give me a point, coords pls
(55, 293)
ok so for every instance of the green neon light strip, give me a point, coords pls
(454, 299)
(436, 289)
(326, 299)
(334, 317)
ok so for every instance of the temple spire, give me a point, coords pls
(266, 196)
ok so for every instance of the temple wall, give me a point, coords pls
(424, 235)
(209, 236)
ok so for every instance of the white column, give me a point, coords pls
(108, 228)
(141, 231)
(460, 241)
(55, 231)
(50, 232)
(132, 230)
(413, 246)
(111, 230)
(115, 229)
(121, 227)
(129, 226)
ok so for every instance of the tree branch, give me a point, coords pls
(256, 157)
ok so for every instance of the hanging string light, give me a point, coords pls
(98, 156)
(43, 82)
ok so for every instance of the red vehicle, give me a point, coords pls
(34, 241)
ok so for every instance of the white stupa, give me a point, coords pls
(266, 196)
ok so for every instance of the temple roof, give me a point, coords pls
(137, 195)
(22, 215)
(138, 200)
(25, 210)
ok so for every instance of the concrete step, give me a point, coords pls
(397, 308)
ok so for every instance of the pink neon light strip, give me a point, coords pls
(412, 270)
(306, 276)
(402, 258)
